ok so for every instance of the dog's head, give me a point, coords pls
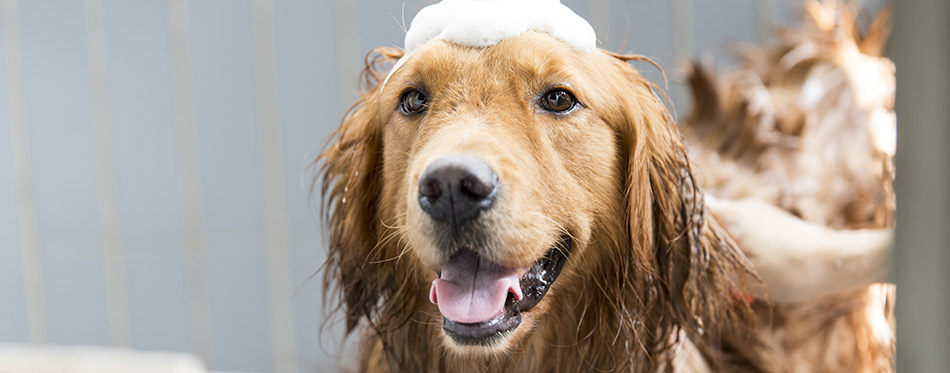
(490, 190)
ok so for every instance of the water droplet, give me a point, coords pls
(343, 200)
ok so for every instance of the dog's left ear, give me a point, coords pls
(695, 269)
(350, 174)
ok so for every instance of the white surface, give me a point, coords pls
(83, 359)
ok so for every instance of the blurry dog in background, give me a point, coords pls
(807, 127)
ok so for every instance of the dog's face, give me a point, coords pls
(516, 187)
(498, 166)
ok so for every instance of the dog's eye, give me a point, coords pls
(558, 101)
(413, 101)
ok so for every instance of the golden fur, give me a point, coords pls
(649, 271)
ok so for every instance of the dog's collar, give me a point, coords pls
(483, 23)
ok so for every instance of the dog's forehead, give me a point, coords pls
(531, 57)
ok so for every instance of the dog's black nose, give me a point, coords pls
(454, 189)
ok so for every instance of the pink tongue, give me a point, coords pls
(473, 289)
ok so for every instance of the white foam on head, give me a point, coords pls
(483, 23)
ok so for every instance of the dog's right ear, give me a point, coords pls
(350, 168)
(690, 270)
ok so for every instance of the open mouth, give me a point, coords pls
(481, 302)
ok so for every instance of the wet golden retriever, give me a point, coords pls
(525, 207)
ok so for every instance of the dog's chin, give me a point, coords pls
(497, 345)
(497, 334)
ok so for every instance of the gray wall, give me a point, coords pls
(923, 158)
(151, 155)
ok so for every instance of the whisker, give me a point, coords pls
(392, 230)
(402, 252)
(379, 245)
(560, 229)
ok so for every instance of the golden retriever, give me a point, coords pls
(526, 207)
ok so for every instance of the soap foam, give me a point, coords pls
(483, 23)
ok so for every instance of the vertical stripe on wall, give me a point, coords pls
(189, 177)
(347, 49)
(599, 17)
(921, 48)
(23, 175)
(274, 199)
(682, 28)
(766, 19)
(106, 179)
(683, 40)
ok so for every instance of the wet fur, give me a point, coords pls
(650, 269)
(753, 138)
